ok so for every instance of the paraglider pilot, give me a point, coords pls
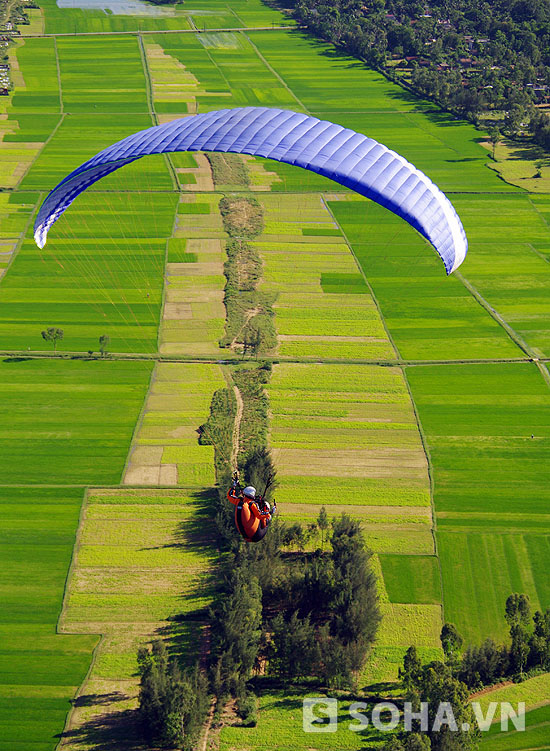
(253, 514)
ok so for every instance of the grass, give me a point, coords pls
(165, 448)
(194, 314)
(280, 716)
(68, 422)
(41, 669)
(411, 579)
(384, 663)
(517, 162)
(346, 435)
(134, 576)
(40, 90)
(314, 289)
(533, 691)
(101, 273)
(478, 422)
(343, 436)
(428, 315)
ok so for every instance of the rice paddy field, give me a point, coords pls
(140, 572)
(414, 402)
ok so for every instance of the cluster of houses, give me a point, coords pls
(467, 64)
(4, 79)
(7, 31)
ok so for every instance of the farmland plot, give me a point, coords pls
(142, 559)
(487, 428)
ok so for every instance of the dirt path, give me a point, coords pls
(237, 428)
(249, 316)
(207, 725)
(490, 689)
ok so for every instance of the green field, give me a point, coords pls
(534, 737)
(140, 258)
(139, 564)
(41, 670)
(70, 423)
(491, 503)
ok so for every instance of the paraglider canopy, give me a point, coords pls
(341, 154)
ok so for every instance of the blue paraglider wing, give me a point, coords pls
(347, 157)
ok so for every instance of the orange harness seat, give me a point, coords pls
(250, 521)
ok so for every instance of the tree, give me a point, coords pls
(104, 342)
(514, 118)
(411, 670)
(259, 471)
(52, 334)
(323, 523)
(483, 666)
(451, 640)
(253, 338)
(518, 609)
(294, 646)
(519, 651)
(355, 604)
(436, 686)
(236, 628)
(172, 703)
(495, 137)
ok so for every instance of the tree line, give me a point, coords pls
(277, 611)
(528, 651)
(470, 58)
(54, 334)
(464, 671)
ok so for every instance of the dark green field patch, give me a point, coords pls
(341, 284)
(69, 422)
(411, 578)
(193, 208)
(318, 231)
(40, 670)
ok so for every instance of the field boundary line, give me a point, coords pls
(165, 277)
(60, 629)
(428, 455)
(538, 253)
(423, 440)
(212, 359)
(137, 428)
(222, 74)
(38, 155)
(277, 75)
(362, 272)
(23, 234)
(76, 546)
(233, 12)
(514, 336)
(544, 371)
(134, 32)
(69, 718)
(237, 426)
(148, 82)
(54, 131)
(58, 67)
(151, 105)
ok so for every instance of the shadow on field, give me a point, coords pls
(468, 159)
(16, 359)
(91, 700)
(196, 534)
(528, 151)
(184, 634)
(113, 731)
